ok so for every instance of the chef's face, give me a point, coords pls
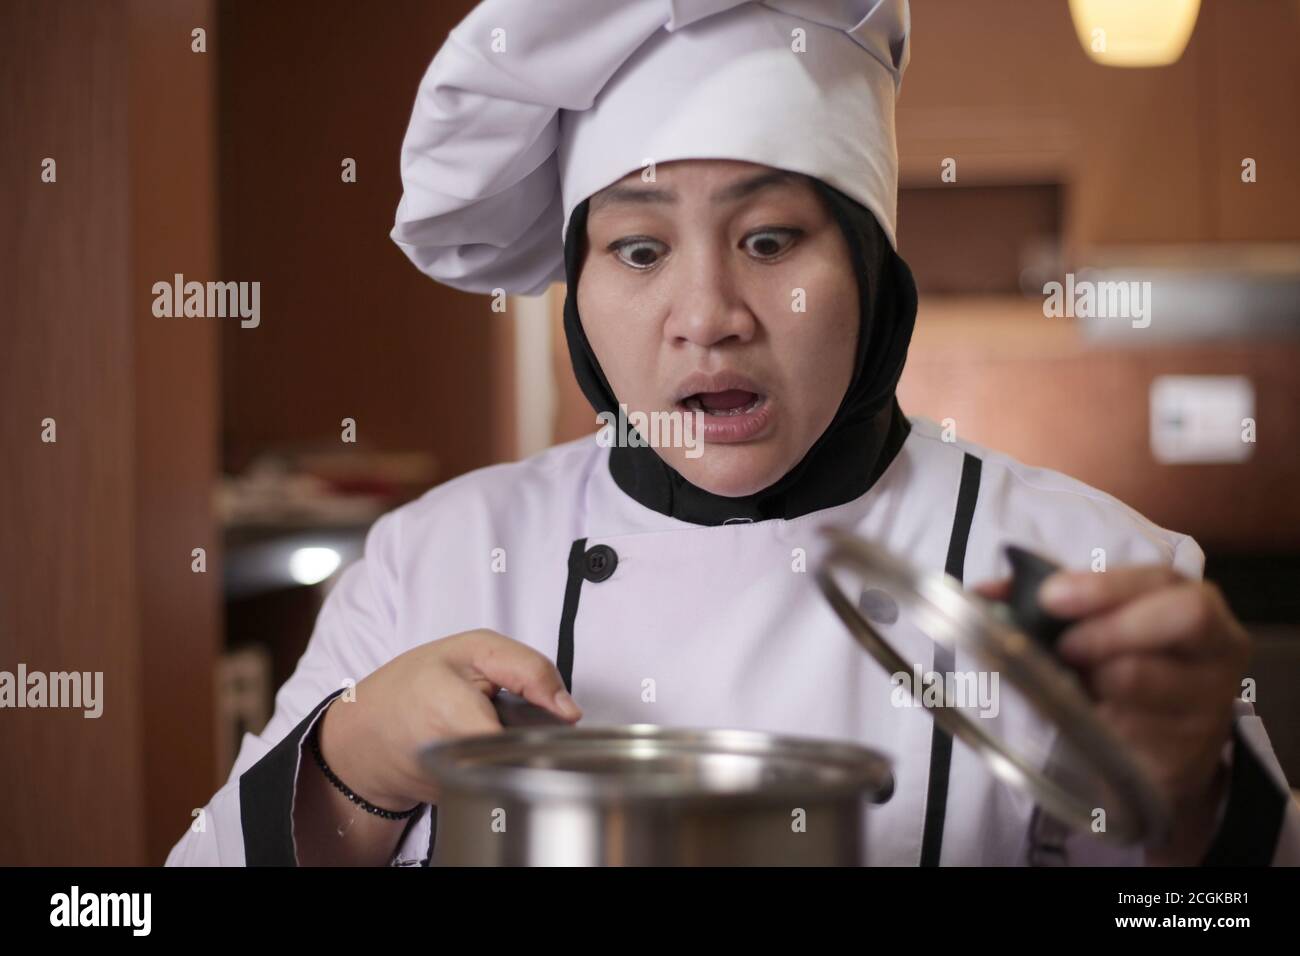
(725, 287)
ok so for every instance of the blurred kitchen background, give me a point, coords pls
(184, 434)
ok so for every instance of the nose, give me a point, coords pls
(707, 309)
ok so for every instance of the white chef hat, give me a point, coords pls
(532, 106)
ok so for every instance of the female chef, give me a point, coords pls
(692, 169)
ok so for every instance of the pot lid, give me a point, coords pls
(986, 672)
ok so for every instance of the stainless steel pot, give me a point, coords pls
(644, 795)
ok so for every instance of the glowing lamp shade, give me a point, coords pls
(1134, 32)
(313, 565)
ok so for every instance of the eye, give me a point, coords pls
(640, 253)
(770, 243)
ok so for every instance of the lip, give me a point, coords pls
(728, 429)
(715, 382)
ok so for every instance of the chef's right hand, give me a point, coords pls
(436, 691)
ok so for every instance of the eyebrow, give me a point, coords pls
(638, 194)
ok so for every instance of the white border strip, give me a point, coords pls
(535, 391)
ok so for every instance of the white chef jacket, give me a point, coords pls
(729, 632)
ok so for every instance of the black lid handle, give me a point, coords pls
(1028, 572)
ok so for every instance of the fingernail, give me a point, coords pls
(566, 704)
(1058, 590)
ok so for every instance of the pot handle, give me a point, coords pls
(515, 711)
(886, 790)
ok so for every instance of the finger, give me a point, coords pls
(1184, 618)
(1154, 683)
(520, 669)
(995, 590)
(464, 709)
(1071, 594)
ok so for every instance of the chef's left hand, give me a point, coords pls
(1163, 656)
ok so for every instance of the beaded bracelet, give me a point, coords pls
(332, 777)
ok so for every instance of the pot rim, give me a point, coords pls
(480, 765)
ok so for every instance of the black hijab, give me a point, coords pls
(862, 439)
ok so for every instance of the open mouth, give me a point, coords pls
(724, 404)
(729, 406)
